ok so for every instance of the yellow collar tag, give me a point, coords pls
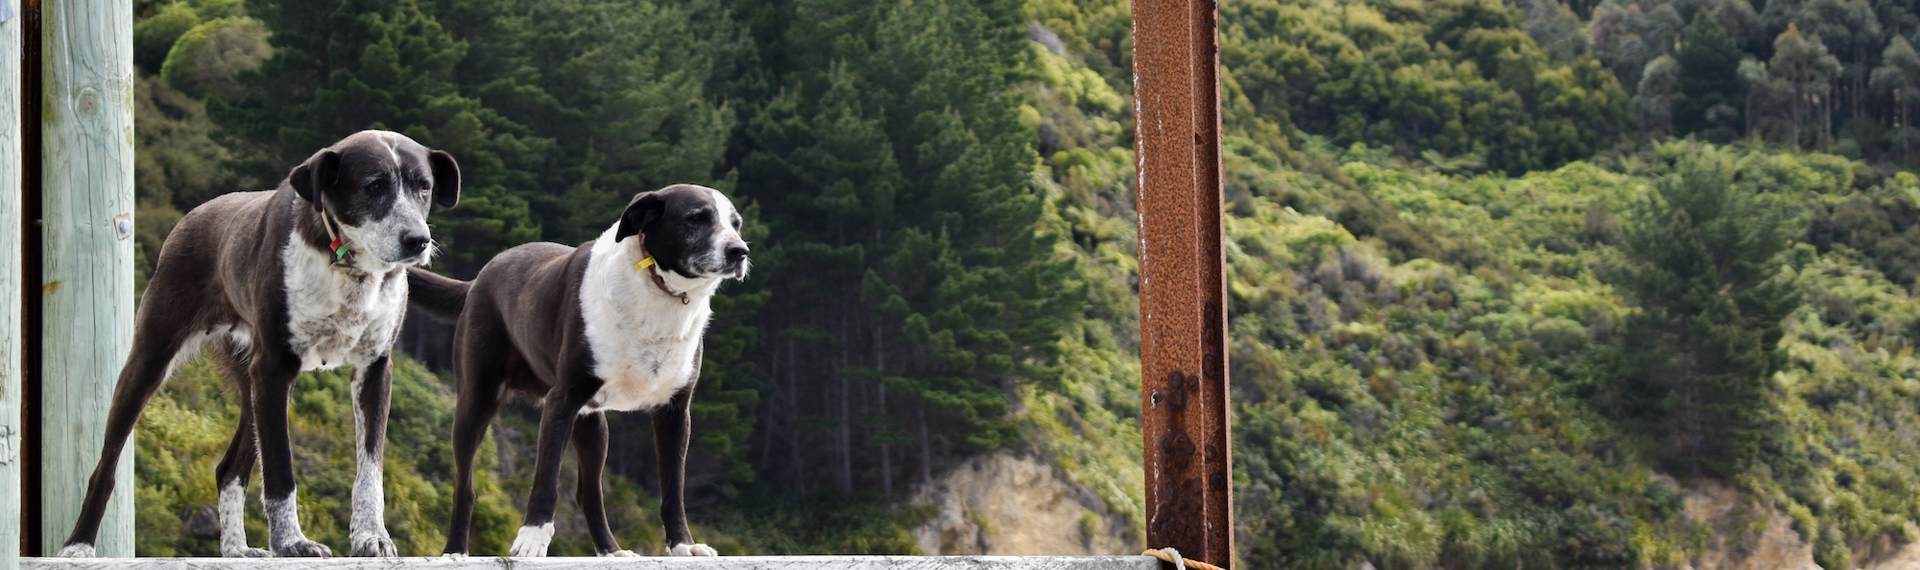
(643, 264)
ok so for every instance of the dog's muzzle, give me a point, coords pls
(413, 248)
(412, 245)
(736, 257)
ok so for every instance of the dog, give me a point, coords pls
(615, 324)
(308, 276)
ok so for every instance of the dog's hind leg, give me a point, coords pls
(372, 396)
(236, 467)
(482, 387)
(273, 374)
(232, 475)
(160, 343)
(590, 446)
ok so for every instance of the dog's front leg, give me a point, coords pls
(590, 446)
(563, 405)
(273, 374)
(672, 431)
(372, 394)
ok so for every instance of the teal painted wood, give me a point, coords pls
(87, 205)
(643, 563)
(10, 294)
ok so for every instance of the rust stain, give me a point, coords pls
(1182, 283)
(49, 288)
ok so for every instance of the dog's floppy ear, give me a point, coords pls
(642, 211)
(446, 178)
(316, 175)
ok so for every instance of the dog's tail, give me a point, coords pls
(441, 298)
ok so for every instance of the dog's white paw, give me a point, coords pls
(621, 554)
(370, 543)
(302, 548)
(684, 549)
(532, 541)
(455, 556)
(76, 550)
(245, 552)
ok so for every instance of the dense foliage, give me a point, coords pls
(1510, 280)
(1455, 77)
(1662, 318)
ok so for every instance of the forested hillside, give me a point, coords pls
(1509, 280)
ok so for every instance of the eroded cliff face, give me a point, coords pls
(1747, 535)
(1744, 535)
(1008, 503)
(1011, 504)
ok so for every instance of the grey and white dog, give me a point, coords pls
(308, 276)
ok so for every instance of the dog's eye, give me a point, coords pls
(736, 223)
(699, 217)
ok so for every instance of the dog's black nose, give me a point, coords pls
(736, 251)
(413, 244)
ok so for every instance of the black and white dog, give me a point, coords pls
(614, 324)
(308, 276)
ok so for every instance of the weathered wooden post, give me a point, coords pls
(1183, 310)
(86, 100)
(10, 292)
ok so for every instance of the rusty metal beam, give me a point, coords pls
(1183, 311)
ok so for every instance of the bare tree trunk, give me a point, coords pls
(1799, 104)
(846, 416)
(886, 451)
(880, 366)
(793, 435)
(1826, 114)
(926, 449)
(1749, 116)
(773, 411)
(1860, 80)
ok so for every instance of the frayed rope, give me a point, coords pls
(1171, 556)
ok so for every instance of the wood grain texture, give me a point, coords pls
(10, 292)
(648, 563)
(87, 205)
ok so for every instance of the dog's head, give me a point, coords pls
(379, 185)
(693, 231)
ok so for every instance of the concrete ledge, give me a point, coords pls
(587, 563)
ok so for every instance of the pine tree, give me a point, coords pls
(1701, 263)
(1709, 81)
(917, 288)
(616, 90)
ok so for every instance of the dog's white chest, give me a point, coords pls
(644, 379)
(643, 343)
(643, 353)
(334, 318)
